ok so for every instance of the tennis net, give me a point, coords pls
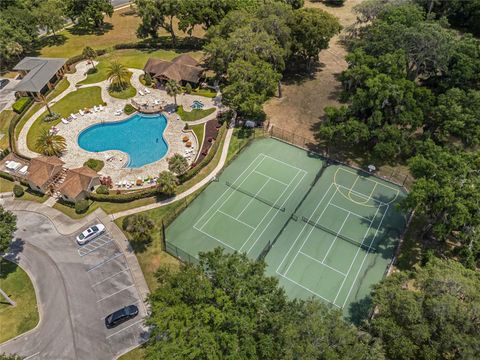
(334, 233)
(248, 193)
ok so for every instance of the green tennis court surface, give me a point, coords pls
(326, 231)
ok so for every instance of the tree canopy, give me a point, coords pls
(227, 308)
(429, 313)
(88, 13)
(8, 225)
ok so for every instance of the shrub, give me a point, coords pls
(129, 109)
(94, 164)
(18, 190)
(177, 164)
(188, 88)
(334, 2)
(138, 226)
(6, 176)
(102, 189)
(148, 79)
(54, 116)
(81, 206)
(92, 71)
(123, 198)
(4, 153)
(21, 104)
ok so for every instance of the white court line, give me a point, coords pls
(353, 185)
(115, 293)
(311, 230)
(374, 181)
(106, 261)
(269, 177)
(361, 195)
(99, 282)
(304, 226)
(282, 162)
(126, 327)
(288, 197)
(336, 237)
(352, 213)
(214, 238)
(321, 262)
(251, 200)
(304, 287)
(366, 254)
(240, 221)
(355, 257)
(228, 197)
(228, 188)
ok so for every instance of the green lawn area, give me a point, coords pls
(204, 92)
(71, 103)
(199, 130)
(6, 185)
(6, 117)
(126, 93)
(195, 114)
(240, 138)
(135, 354)
(29, 195)
(131, 58)
(61, 87)
(23, 317)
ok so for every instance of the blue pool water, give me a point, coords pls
(140, 136)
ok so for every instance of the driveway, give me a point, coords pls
(76, 288)
(7, 95)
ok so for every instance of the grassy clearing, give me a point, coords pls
(195, 114)
(71, 103)
(99, 75)
(120, 28)
(6, 185)
(240, 137)
(28, 195)
(199, 131)
(23, 317)
(6, 117)
(135, 354)
(126, 93)
(94, 164)
(60, 88)
(204, 92)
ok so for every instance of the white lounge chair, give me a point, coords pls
(73, 116)
(156, 102)
(96, 109)
(118, 112)
(65, 121)
(81, 112)
(13, 166)
(23, 170)
(100, 107)
(147, 91)
(141, 92)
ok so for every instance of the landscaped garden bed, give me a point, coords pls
(194, 114)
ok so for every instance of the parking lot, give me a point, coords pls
(114, 287)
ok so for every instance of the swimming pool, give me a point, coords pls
(140, 136)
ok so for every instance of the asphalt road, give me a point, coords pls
(72, 306)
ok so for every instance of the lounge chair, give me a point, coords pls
(141, 92)
(96, 109)
(100, 107)
(13, 166)
(156, 102)
(147, 91)
(81, 112)
(118, 112)
(65, 121)
(23, 170)
(73, 116)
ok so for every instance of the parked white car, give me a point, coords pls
(91, 233)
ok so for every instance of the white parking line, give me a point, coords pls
(88, 251)
(31, 356)
(105, 261)
(111, 276)
(126, 327)
(115, 293)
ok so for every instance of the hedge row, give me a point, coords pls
(77, 58)
(6, 176)
(206, 160)
(127, 197)
(21, 104)
(187, 43)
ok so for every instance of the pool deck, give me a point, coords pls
(75, 156)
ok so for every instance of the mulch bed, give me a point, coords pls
(211, 131)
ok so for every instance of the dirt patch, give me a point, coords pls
(301, 107)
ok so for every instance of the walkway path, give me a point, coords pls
(188, 192)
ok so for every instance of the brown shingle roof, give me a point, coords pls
(183, 67)
(77, 180)
(41, 169)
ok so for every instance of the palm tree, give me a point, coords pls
(167, 183)
(177, 164)
(43, 100)
(90, 54)
(50, 144)
(173, 89)
(118, 75)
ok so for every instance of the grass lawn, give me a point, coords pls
(23, 317)
(30, 195)
(6, 117)
(240, 138)
(135, 354)
(6, 185)
(120, 28)
(131, 58)
(126, 93)
(199, 130)
(94, 164)
(204, 92)
(61, 87)
(195, 114)
(71, 103)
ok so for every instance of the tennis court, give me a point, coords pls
(324, 230)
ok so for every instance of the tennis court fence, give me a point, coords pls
(393, 175)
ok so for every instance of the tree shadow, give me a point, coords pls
(297, 74)
(52, 40)
(8, 267)
(359, 311)
(139, 246)
(90, 30)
